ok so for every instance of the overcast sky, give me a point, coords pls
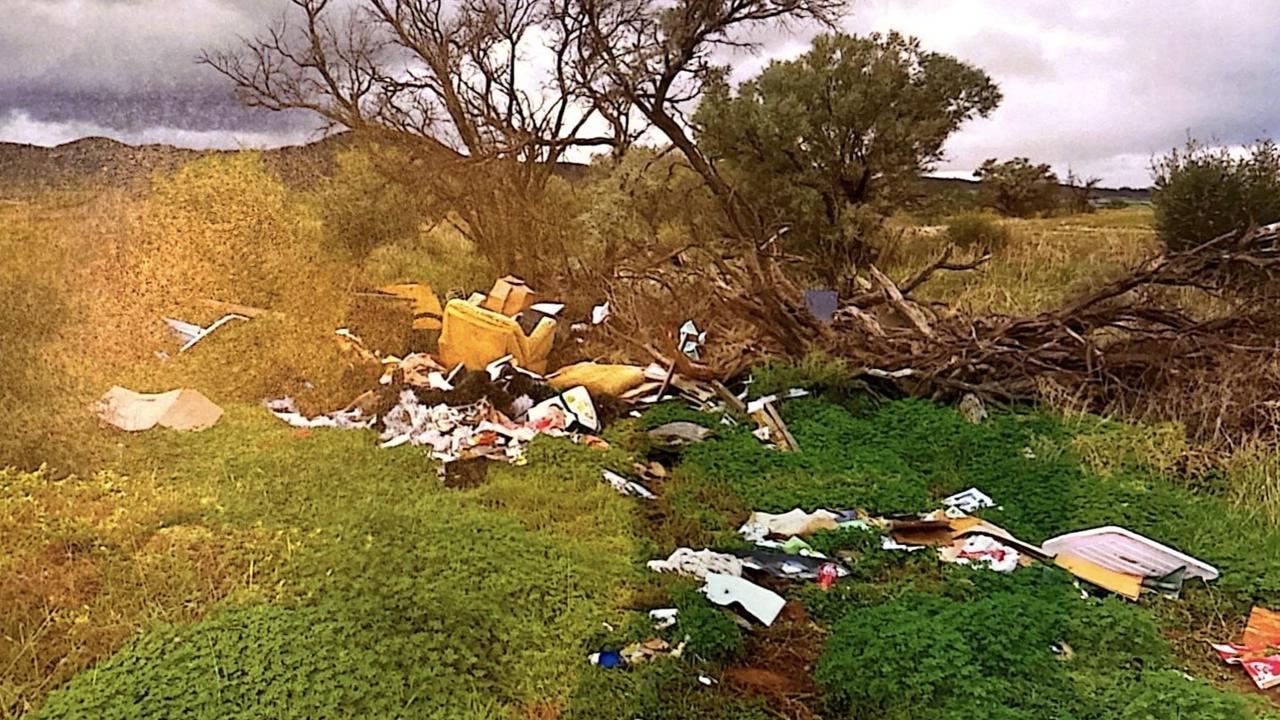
(1097, 85)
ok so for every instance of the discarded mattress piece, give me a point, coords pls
(699, 564)
(1124, 551)
(181, 409)
(788, 524)
(1259, 654)
(761, 603)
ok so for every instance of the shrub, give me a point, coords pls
(1201, 192)
(978, 231)
(1017, 188)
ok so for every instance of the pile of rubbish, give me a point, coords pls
(484, 392)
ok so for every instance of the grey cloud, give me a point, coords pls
(1099, 85)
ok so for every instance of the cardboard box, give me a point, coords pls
(510, 296)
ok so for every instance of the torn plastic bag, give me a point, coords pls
(761, 603)
(782, 565)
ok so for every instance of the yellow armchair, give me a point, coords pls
(476, 337)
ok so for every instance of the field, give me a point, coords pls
(253, 570)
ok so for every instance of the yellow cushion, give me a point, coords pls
(599, 379)
(426, 306)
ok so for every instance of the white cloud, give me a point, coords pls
(19, 127)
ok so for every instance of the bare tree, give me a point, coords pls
(491, 94)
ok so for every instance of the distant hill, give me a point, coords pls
(98, 161)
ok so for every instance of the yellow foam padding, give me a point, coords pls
(599, 379)
(1129, 586)
(476, 337)
(426, 306)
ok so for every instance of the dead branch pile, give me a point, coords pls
(1113, 347)
(1132, 346)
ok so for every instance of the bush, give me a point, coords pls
(1017, 188)
(1201, 193)
(978, 231)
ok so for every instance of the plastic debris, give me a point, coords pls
(608, 659)
(759, 602)
(600, 313)
(827, 575)
(625, 486)
(969, 500)
(789, 567)
(1124, 551)
(691, 340)
(982, 550)
(575, 406)
(182, 409)
(788, 524)
(1258, 654)
(822, 304)
(699, 564)
(663, 618)
(679, 434)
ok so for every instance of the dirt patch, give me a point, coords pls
(781, 665)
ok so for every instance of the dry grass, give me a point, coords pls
(88, 561)
(1045, 261)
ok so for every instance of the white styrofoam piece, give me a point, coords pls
(1121, 550)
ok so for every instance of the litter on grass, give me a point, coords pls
(181, 409)
(678, 434)
(760, 603)
(969, 500)
(793, 522)
(1259, 654)
(1125, 551)
(699, 563)
(627, 487)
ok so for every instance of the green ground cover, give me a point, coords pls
(376, 592)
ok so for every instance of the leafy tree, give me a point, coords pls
(815, 141)
(1016, 187)
(1201, 192)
